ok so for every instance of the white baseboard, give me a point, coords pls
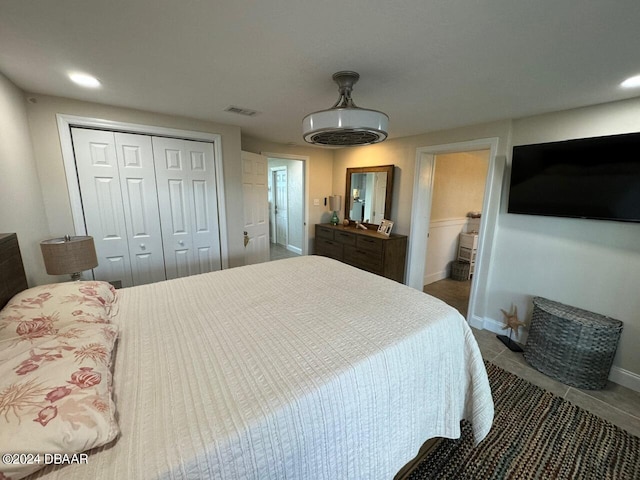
(434, 277)
(618, 375)
(293, 249)
(625, 378)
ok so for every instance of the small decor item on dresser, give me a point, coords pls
(335, 204)
(385, 227)
(511, 322)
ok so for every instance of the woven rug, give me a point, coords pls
(535, 435)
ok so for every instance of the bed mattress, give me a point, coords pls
(303, 368)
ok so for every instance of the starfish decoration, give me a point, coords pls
(511, 320)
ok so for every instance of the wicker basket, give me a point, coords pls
(460, 270)
(571, 345)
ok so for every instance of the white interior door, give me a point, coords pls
(256, 206)
(281, 205)
(188, 206)
(97, 166)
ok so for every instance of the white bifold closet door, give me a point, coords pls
(123, 186)
(188, 206)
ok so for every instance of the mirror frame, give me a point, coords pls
(389, 195)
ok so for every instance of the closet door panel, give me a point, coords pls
(142, 216)
(97, 167)
(173, 183)
(178, 214)
(206, 232)
(183, 263)
(188, 206)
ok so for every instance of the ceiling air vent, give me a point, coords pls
(241, 111)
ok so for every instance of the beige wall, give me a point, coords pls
(21, 204)
(42, 110)
(590, 264)
(401, 152)
(320, 174)
(458, 185)
(586, 263)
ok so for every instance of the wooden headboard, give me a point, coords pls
(12, 276)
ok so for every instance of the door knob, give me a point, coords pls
(181, 243)
(143, 246)
(246, 239)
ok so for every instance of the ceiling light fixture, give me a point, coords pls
(631, 82)
(345, 124)
(84, 80)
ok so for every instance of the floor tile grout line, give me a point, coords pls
(610, 405)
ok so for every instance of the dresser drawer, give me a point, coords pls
(328, 248)
(363, 249)
(324, 232)
(373, 245)
(364, 259)
(345, 238)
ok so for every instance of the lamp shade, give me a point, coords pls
(67, 255)
(335, 203)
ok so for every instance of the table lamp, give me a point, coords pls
(335, 204)
(69, 255)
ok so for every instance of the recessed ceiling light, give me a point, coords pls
(84, 80)
(631, 82)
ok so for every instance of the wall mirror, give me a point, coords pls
(368, 194)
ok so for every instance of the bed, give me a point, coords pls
(303, 368)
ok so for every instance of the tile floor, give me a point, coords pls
(278, 252)
(615, 403)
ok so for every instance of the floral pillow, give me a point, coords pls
(40, 311)
(55, 395)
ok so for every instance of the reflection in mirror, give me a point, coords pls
(369, 194)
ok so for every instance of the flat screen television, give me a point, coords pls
(596, 178)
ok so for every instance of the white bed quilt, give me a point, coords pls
(297, 369)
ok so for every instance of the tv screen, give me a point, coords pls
(587, 178)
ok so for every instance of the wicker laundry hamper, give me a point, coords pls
(460, 270)
(572, 345)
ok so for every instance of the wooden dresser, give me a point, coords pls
(365, 249)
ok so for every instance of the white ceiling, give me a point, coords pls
(428, 64)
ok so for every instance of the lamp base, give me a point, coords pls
(334, 219)
(76, 276)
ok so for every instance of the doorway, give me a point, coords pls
(278, 201)
(287, 210)
(421, 218)
(456, 206)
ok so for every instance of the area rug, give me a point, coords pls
(535, 435)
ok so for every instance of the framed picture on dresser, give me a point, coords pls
(385, 227)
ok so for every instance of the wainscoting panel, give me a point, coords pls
(442, 247)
